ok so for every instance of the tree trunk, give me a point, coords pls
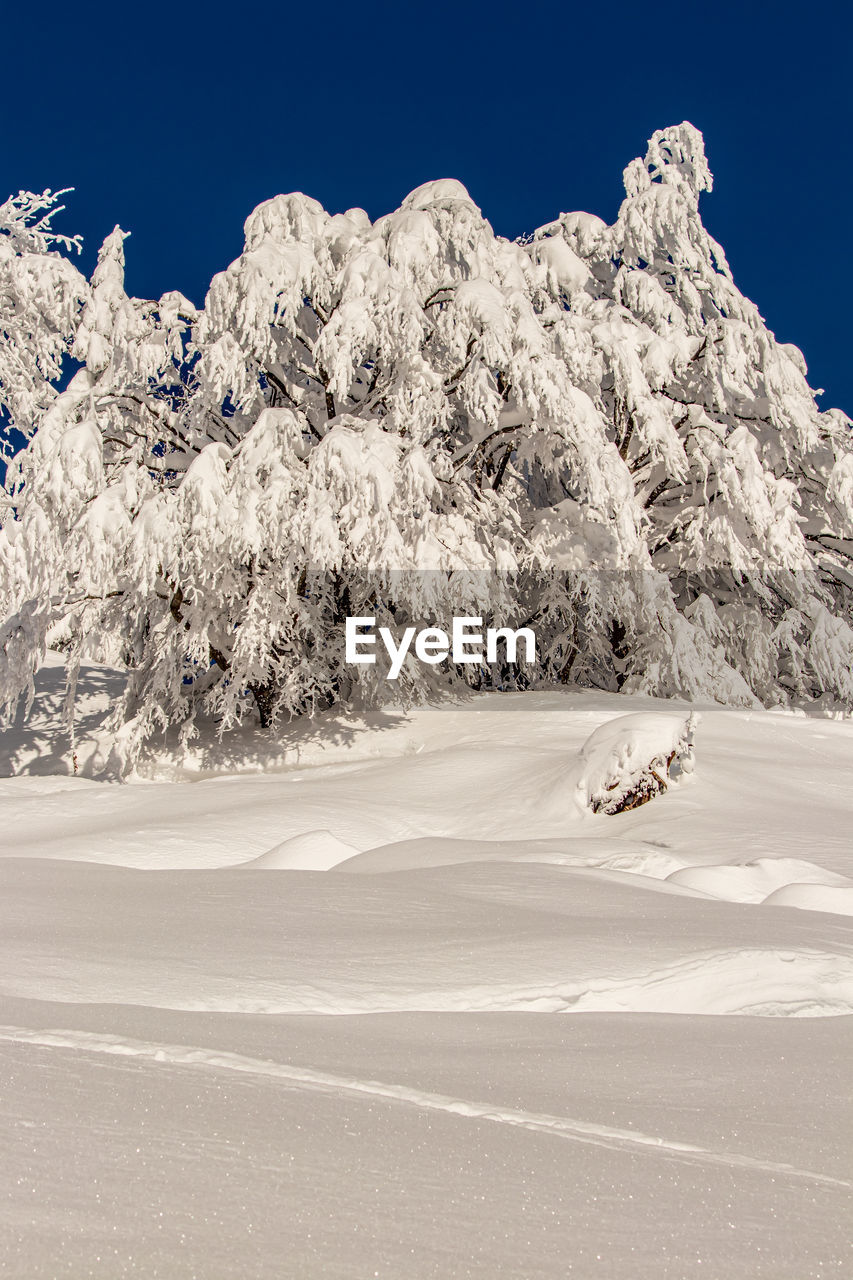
(620, 650)
(264, 695)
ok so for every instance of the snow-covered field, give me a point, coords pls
(289, 1013)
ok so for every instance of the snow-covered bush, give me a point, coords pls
(592, 433)
(631, 759)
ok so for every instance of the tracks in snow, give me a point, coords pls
(577, 1131)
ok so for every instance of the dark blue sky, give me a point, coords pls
(176, 119)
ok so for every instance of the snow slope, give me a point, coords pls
(274, 1014)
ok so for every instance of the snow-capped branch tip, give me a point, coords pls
(444, 192)
(675, 157)
(26, 217)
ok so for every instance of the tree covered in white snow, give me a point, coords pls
(737, 480)
(40, 296)
(591, 432)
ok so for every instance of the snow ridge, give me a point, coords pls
(558, 1126)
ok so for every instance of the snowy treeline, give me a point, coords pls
(591, 433)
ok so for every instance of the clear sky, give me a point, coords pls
(175, 119)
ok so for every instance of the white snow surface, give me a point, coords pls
(280, 1011)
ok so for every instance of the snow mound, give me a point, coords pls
(835, 898)
(801, 983)
(310, 851)
(753, 881)
(596, 852)
(632, 758)
(747, 982)
(656, 864)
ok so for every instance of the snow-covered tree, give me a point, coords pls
(96, 451)
(591, 431)
(41, 293)
(738, 507)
